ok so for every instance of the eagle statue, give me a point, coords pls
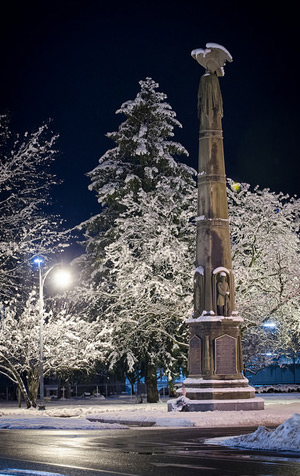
(213, 58)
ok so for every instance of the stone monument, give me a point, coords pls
(216, 380)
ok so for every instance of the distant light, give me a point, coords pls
(235, 186)
(38, 260)
(62, 278)
(270, 324)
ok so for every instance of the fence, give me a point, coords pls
(137, 392)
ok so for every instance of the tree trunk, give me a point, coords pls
(68, 389)
(7, 369)
(132, 378)
(19, 396)
(151, 382)
(24, 393)
(33, 385)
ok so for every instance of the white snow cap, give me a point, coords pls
(213, 58)
(200, 270)
(219, 269)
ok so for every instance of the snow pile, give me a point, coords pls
(286, 437)
(180, 404)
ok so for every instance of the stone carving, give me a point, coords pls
(225, 355)
(213, 58)
(195, 356)
(221, 284)
(209, 97)
(223, 295)
(198, 290)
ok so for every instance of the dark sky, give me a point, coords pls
(77, 61)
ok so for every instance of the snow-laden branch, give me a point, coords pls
(25, 182)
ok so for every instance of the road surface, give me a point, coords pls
(136, 452)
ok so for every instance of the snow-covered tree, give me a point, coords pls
(151, 264)
(139, 258)
(25, 182)
(142, 153)
(266, 261)
(70, 343)
(142, 233)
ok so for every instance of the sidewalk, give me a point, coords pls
(122, 411)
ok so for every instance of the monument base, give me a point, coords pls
(217, 389)
(203, 395)
(248, 404)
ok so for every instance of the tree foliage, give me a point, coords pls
(70, 343)
(139, 258)
(142, 153)
(151, 270)
(26, 229)
(138, 249)
(266, 261)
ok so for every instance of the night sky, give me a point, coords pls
(77, 61)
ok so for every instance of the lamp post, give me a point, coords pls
(63, 279)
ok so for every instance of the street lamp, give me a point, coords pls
(63, 279)
(269, 325)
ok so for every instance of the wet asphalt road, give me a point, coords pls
(143, 452)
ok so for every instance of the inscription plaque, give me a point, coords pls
(195, 355)
(225, 355)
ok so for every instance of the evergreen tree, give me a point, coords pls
(143, 152)
(147, 201)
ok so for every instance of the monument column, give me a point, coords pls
(213, 241)
(216, 380)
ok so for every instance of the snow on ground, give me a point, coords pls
(102, 414)
(286, 437)
(21, 422)
(278, 388)
(213, 419)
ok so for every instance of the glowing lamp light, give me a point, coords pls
(235, 186)
(62, 278)
(38, 260)
(270, 325)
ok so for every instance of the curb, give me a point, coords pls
(122, 422)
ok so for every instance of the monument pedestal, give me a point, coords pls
(222, 405)
(216, 381)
